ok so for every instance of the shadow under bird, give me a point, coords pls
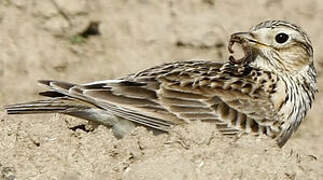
(268, 91)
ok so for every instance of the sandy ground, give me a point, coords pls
(47, 39)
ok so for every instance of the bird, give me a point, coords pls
(268, 91)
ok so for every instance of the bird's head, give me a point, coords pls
(284, 49)
(276, 46)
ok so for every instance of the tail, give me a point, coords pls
(76, 108)
(55, 105)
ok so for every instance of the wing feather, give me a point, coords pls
(182, 92)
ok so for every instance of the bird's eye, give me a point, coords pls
(281, 38)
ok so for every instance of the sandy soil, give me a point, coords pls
(48, 39)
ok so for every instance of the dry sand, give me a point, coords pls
(41, 39)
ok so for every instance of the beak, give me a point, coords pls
(247, 42)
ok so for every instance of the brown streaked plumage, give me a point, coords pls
(268, 91)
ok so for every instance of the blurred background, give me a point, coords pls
(87, 40)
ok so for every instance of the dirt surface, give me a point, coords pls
(51, 39)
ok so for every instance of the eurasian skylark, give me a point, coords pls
(268, 91)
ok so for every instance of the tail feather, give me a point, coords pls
(74, 108)
(59, 88)
(52, 94)
(56, 105)
(60, 84)
(59, 102)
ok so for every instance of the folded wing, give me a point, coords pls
(182, 92)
